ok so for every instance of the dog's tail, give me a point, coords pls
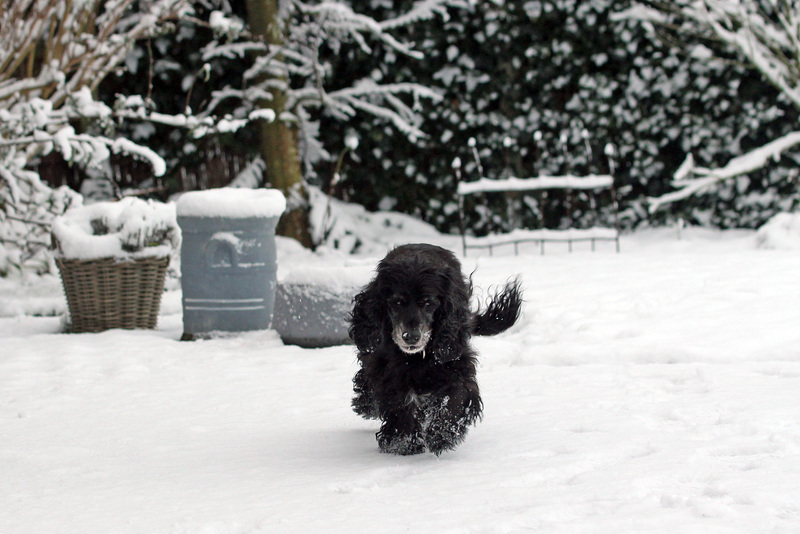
(501, 312)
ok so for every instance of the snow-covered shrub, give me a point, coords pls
(128, 229)
(761, 35)
(27, 207)
(53, 57)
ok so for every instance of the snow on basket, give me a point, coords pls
(113, 258)
(228, 259)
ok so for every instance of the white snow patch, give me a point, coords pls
(781, 232)
(654, 390)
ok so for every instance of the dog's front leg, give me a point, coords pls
(364, 403)
(448, 416)
(400, 433)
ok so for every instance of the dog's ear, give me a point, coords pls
(366, 320)
(451, 325)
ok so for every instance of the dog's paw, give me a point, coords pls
(444, 435)
(445, 430)
(439, 440)
(402, 444)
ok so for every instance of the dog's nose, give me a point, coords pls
(411, 337)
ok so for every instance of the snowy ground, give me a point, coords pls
(655, 390)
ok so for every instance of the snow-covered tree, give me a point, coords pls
(53, 54)
(766, 35)
(291, 76)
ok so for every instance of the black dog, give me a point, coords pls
(412, 325)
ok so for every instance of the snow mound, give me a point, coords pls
(350, 228)
(781, 232)
(232, 202)
(128, 229)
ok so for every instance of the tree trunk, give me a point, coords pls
(278, 139)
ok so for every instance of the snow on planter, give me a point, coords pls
(113, 258)
(228, 259)
(313, 304)
(231, 202)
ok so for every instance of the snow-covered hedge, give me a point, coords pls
(128, 229)
(530, 79)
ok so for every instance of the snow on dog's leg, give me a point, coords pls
(400, 433)
(447, 417)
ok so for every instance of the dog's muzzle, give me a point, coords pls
(411, 341)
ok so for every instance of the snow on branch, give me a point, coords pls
(40, 129)
(422, 10)
(338, 17)
(754, 159)
(766, 33)
(706, 178)
(294, 71)
(83, 41)
(393, 109)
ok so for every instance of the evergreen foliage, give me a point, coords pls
(567, 69)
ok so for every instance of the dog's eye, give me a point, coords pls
(396, 302)
(428, 303)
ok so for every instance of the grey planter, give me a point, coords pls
(228, 261)
(311, 316)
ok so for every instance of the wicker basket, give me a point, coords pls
(109, 293)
